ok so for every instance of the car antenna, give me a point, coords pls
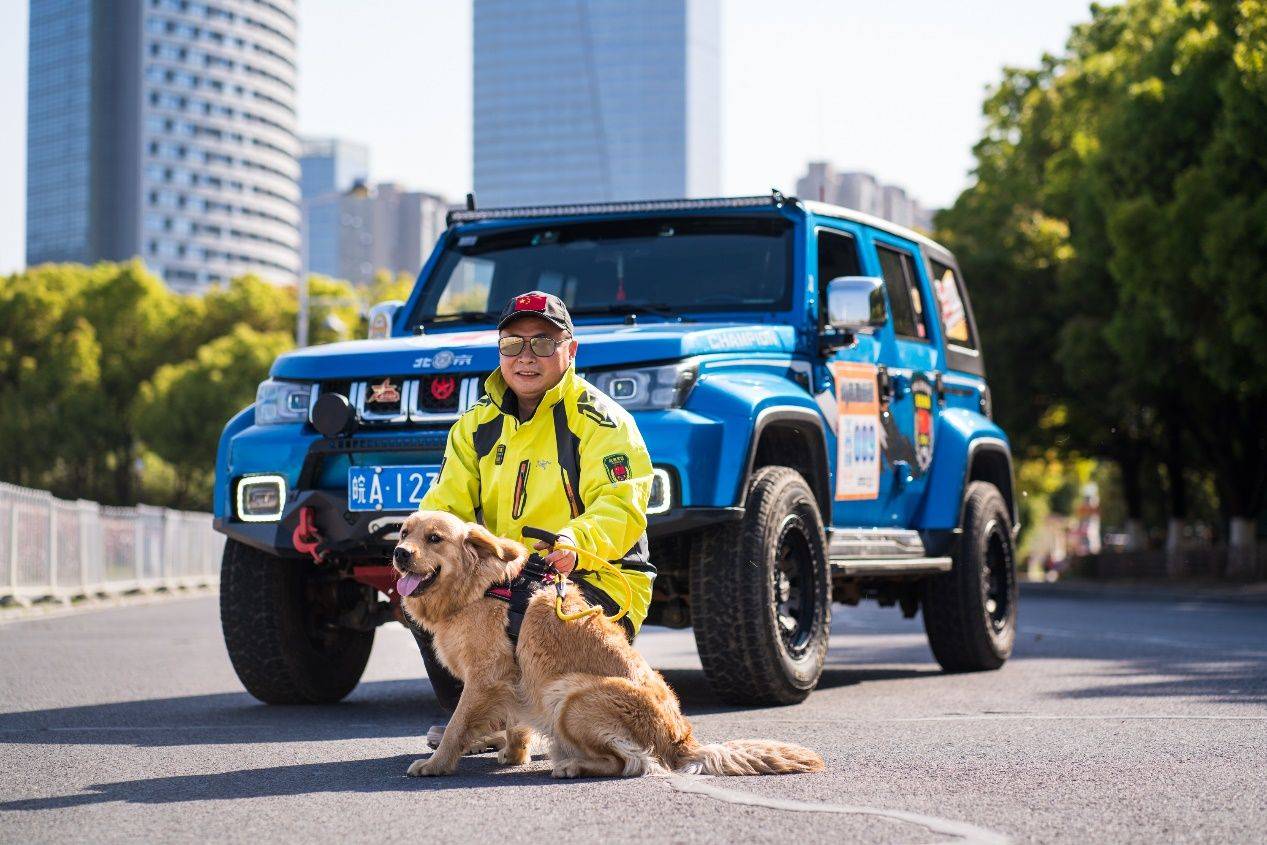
(470, 201)
(776, 196)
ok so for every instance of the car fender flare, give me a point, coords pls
(820, 473)
(996, 450)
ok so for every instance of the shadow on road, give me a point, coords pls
(698, 699)
(385, 774)
(376, 709)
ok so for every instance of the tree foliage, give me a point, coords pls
(1116, 238)
(103, 371)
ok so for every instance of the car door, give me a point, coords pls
(909, 365)
(861, 489)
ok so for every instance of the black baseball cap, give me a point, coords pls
(536, 303)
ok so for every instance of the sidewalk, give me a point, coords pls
(1128, 590)
(12, 612)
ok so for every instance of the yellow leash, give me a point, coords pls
(590, 611)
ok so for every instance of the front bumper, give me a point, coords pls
(372, 534)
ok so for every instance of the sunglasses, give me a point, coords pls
(542, 347)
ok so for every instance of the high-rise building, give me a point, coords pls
(596, 100)
(329, 165)
(164, 129)
(355, 234)
(862, 192)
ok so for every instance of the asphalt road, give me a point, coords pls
(1115, 721)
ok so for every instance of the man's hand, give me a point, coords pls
(562, 560)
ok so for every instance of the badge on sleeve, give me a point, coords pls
(617, 467)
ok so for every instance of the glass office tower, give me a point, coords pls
(328, 165)
(164, 129)
(596, 100)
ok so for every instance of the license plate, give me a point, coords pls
(394, 488)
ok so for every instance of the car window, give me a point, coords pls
(676, 264)
(837, 256)
(948, 289)
(898, 269)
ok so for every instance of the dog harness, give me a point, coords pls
(535, 576)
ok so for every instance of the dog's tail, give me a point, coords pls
(750, 757)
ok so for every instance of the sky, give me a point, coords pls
(890, 88)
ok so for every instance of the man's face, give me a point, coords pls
(528, 374)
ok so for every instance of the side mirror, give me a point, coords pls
(855, 303)
(381, 316)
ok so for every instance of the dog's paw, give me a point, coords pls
(566, 769)
(427, 767)
(511, 756)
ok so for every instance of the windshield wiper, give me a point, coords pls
(660, 309)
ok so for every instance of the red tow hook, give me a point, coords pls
(306, 537)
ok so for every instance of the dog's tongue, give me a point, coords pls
(408, 583)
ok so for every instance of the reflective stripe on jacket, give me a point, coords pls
(579, 463)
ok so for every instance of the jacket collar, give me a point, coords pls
(508, 403)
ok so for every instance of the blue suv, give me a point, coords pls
(808, 380)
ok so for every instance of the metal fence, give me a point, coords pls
(52, 548)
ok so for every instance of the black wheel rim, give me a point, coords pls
(792, 585)
(999, 577)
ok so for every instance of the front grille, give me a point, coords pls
(439, 394)
(397, 400)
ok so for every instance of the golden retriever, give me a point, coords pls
(604, 711)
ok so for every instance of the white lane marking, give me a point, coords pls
(966, 832)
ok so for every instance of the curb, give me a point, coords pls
(1247, 594)
(10, 613)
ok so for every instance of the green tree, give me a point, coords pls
(1145, 150)
(181, 411)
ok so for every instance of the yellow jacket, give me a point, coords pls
(579, 463)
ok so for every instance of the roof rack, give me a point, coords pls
(458, 215)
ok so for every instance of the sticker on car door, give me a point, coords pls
(857, 431)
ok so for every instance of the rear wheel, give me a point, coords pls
(281, 626)
(447, 688)
(970, 611)
(760, 595)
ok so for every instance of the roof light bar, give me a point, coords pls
(467, 216)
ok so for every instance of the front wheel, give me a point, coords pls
(760, 595)
(281, 626)
(970, 611)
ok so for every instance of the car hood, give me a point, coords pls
(476, 351)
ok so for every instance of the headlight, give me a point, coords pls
(282, 402)
(261, 498)
(648, 388)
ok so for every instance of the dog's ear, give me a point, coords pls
(484, 542)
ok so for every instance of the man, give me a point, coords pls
(544, 448)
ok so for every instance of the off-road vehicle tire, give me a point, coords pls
(447, 688)
(285, 644)
(970, 611)
(743, 575)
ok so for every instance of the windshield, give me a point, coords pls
(665, 266)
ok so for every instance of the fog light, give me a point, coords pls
(261, 498)
(661, 491)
